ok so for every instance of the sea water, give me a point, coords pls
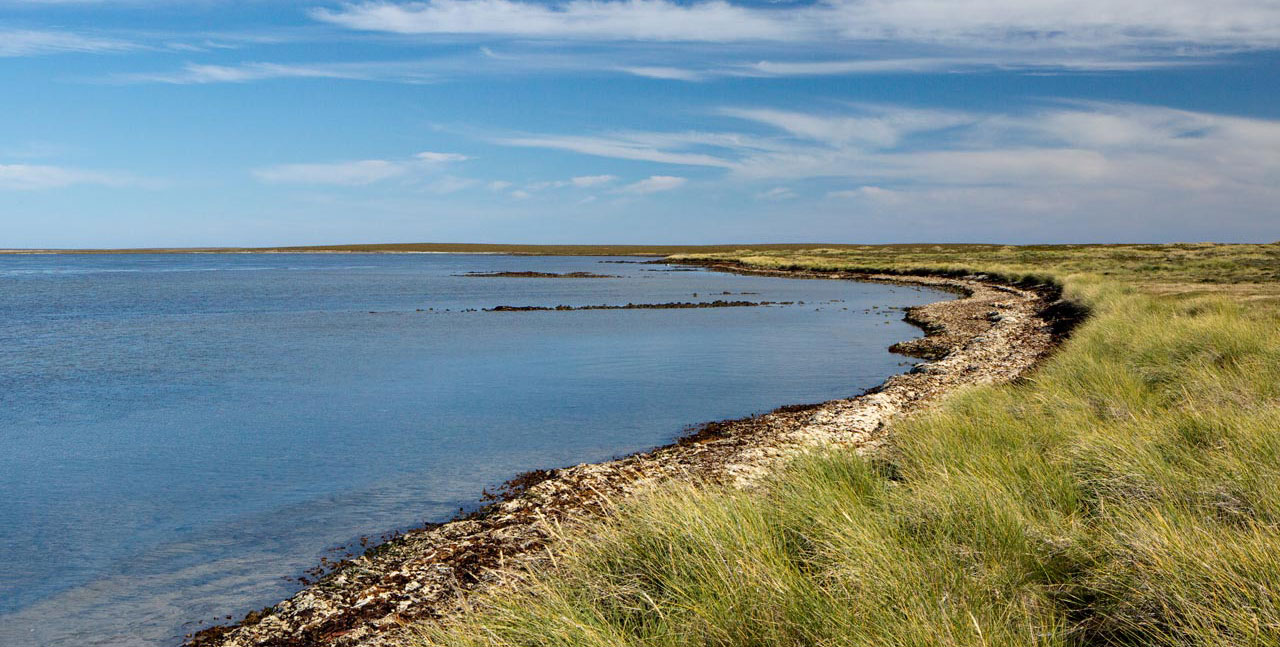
(183, 435)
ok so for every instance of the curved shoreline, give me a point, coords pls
(995, 333)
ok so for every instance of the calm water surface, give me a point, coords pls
(180, 434)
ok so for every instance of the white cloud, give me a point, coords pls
(1031, 63)
(435, 158)
(358, 173)
(776, 194)
(583, 181)
(659, 20)
(552, 184)
(580, 182)
(1037, 24)
(521, 195)
(343, 173)
(497, 185)
(870, 192)
(1018, 24)
(530, 58)
(654, 184)
(827, 68)
(34, 177)
(1055, 160)
(620, 147)
(18, 42)
(875, 126)
(666, 73)
(1020, 62)
(194, 73)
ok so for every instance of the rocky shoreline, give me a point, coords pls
(994, 333)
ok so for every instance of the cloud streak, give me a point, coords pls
(1048, 63)
(640, 148)
(36, 177)
(654, 184)
(19, 42)
(656, 20)
(196, 73)
(584, 181)
(1065, 155)
(1020, 24)
(825, 38)
(364, 172)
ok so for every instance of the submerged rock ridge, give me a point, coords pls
(537, 275)
(674, 305)
(994, 333)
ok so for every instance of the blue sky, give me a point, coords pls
(261, 122)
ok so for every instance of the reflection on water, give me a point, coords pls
(184, 433)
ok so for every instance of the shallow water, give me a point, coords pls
(180, 434)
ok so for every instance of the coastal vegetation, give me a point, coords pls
(1127, 492)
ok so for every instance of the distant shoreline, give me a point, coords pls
(60, 252)
(483, 248)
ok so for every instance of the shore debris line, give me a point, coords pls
(993, 334)
(538, 275)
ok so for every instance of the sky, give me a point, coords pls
(141, 123)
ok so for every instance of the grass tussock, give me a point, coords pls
(1128, 493)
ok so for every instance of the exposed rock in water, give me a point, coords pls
(538, 275)
(675, 305)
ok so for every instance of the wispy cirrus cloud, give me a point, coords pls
(777, 193)
(1146, 148)
(640, 147)
(659, 20)
(869, 192)
(27, 42)
(584, 181)
(669, 73)
(1025, 24)
(829, 37)
(35, 177)
(439, 158)
(446, 68)
(870, 126)
(364, 172)
(1049, 63)
(354, 173)
(196, 73)
(1075, 151)
(579, 182)
(654, 184)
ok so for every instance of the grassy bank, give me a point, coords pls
(1126, 493)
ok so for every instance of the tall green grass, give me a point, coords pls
(1126, 493)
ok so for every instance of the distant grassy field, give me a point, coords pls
(1127, 493)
